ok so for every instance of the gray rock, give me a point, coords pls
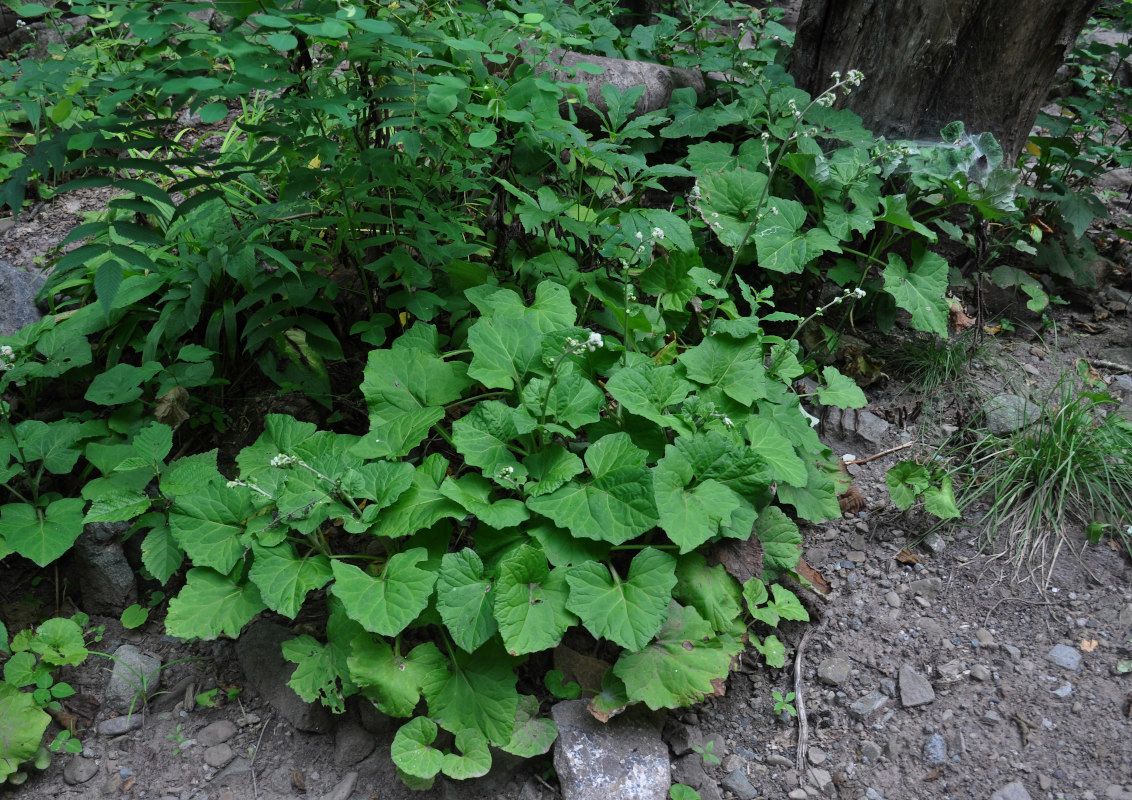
(1063, 691)
(834, 671)
(868, 705)
(343, 789)
(934, 542)
(352, 743)
(926, 587)
(689, 770)
(1064, 656)
(980, 672)
(779, 760)
(79, 770)
(1014, 653)
(623, 758)
(873, 794)
(259, 652)
(219, 755)
(1125, 617)
(681, 738)
(18, 289)
(106, 579)
(216, 733)
(235, 772)
(134, 679)
(935, 750)
(116, 726)
(1007, 413)
(870, 750)
(821, 779)
(914, 688)
(739, 785)
(986, 639)
(1012, 791)
(893, 599)
(816, 756)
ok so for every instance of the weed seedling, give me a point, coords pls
(784, 703)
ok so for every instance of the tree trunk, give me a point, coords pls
(989, 63)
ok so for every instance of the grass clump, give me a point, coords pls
(1072, 467)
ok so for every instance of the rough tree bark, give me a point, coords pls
(989, 63)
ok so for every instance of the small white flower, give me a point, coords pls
(727, 421)
(835, 75)
(506, 472)
(855, 77)
(282, 460)
(810, 417)
(640, 236)
(825, 100)
(594, 342)
(6, 352)
(859, 292)
(657, 234)
(234, 484)
(793, 107)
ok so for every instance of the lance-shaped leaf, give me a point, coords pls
(709, 590)
(412, 749)
(388, 603)
(391, 680)
(533, 735)
(284, 577)
(421, 505)
(465, 600)
(212, 604)
(477, 691)
(571, 400)
(626, 611)
(208, 524)
(684, 664)
(691, 510)
(920, 290)
(484, 437)
(734, 365)
(650, 391)
(530, 602)
(781, 242)
(474, 759)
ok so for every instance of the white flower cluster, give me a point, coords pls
(282, 460)
(7, 358)
(593, 343)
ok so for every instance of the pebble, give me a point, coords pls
(869, 704)
(739, 785)
(935, 750)
(1064, 690)
(116, 726)
(216, 733)
(1012, 791)
(934, 542)
(777, 760)
(926, 587)
(1064, 656)
(914, 688)
(822, 779)
(798, 794)
(870, 750)
(219, 755)
(816, 756)
(980, 672)
(1014, 653)
(79, 770)
(834, 671)
(344, 788)
(985, 638)
(893, 599)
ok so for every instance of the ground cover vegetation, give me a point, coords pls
(550, 360)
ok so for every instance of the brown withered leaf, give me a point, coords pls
(170, 408)
(852, 501)
(935, 774)
(602, 716)
(1089, 327)
(816, 579)
(958, 319)
(1088, 645)
(906, 556)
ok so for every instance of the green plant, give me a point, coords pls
(931, 364)
(213, 698)
(680, 791)
(179, 740)
(782, 703)
(908, 481)
(1068, 467)
(704, 751)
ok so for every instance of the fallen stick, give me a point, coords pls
(800, 704)
(1114, 366)
(881, 453)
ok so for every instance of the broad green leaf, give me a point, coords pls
(422, 505)
(530, 602)
(477, 691)
(533, 735)
(735, 366)
(691, 510)
(840, 391)
(680, 791)
(787, 604)
(684, 664)
(756, 595)
(572, 399)
(485, 437)
(626, 611)
(59, 642)
(920, 290)
(318, 678)
(772, 650)
(777, 451)
(894, 210)
(817, 501)
(208, 524)
(472, 491)
(649, 391)
(161, 554)
(379, 482)
(42, 535)
(729, 202)
(551, 310)
(134, 616)
(905, 481)
(780, 539)
(505, 348)
(22, 725)
(388, 603)
(561, 549)
(613, 508)
(412, 749)
(52, 443)
(282, 434)
(718, 457)
(940, 500)
(284, 578)
(115, 506)
(709, 590)
(465, 600)
(391, 680)
(549, 468)
(212, 604)
(121, 384)
(614, 452)
(781, 243)
(474, 760)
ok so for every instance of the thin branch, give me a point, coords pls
(881, 453)
(800, 703)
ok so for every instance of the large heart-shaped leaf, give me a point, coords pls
(626, 611)
(530, 602)
(388, 603)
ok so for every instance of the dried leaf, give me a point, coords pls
(1089, 327)
(934, 774)
(992, 330)
(1088, 645)
(852, 501)
(906, 556)
(170, 408)
(817, 581)
(957, 316)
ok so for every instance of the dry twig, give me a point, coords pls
(800, 703)
(881, 453)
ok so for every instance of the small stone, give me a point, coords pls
(1064, 656)
(870, 792)
(1044, 781)
(79, 770)
(935, 750)
(816, 756)
(914, 688)
(985, 638)
(870, 750)
(1012, 791)
(219, 755)
(1012, 651)
(821, 779)
(893, 599)
(1063, 691)
(868, 705)
(950, 671)
(343, 789)
(778, 760)
(739, 785)
(1125, 617)
(934, 542)
(856, 556)
(928, 588)
(133, 680)
(116, 726)
(980, 672)
(216, 733)
(834, 671)
(798, 794)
